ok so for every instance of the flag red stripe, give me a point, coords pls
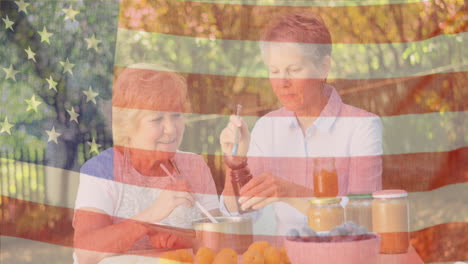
(442, 243)
(347, 24)
(412, 95)
(439, 243)
(419, 172)
(415, 172)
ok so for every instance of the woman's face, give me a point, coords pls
(294, 77)
(159, 131)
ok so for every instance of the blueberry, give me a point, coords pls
(350, 227)
(337, 231)
(360, 231)
(307, 232)
(345, 232)
(292, 234)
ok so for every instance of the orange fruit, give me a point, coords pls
(185, 256)
(204, 256)
(226, 256)
(260, 246)
(252, 257)
(169, 257)
(272, 255)
(284, 256)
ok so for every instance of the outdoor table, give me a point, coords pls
(152, 256)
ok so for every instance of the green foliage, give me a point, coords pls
(92, 68)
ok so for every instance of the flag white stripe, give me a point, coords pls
(402, 134)
(20, 250)
(445, 53)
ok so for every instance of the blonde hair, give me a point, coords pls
(141, 90)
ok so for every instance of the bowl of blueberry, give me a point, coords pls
(347, 243)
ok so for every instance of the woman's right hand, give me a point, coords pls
(228, 135)
(175, 194)
(168, 240)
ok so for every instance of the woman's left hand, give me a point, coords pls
(267, 188)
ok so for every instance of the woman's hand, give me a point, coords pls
(174, 195)
(227, 137)
(266, 188)
(168, 240)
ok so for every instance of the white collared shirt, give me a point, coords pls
(350, 136)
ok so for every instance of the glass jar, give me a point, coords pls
(325, 213)
(390, 218)
(359, 210)
(325, 178)
(239, 178)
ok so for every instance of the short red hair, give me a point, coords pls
(299, 27)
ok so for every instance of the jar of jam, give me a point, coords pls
(359, 210)
(325, 178)
(390, 218)
(325, 213)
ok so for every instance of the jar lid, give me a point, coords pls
(360, 196)
(325, 200)
(390, 194)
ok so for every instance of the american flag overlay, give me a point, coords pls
(117, 116)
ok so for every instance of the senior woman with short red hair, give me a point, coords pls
(125, 186)
(313, 125)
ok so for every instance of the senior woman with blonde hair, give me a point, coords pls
(124, 187)
(313, 128)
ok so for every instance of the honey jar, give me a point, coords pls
(359, 210)
(325, 213)
(390, 218)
